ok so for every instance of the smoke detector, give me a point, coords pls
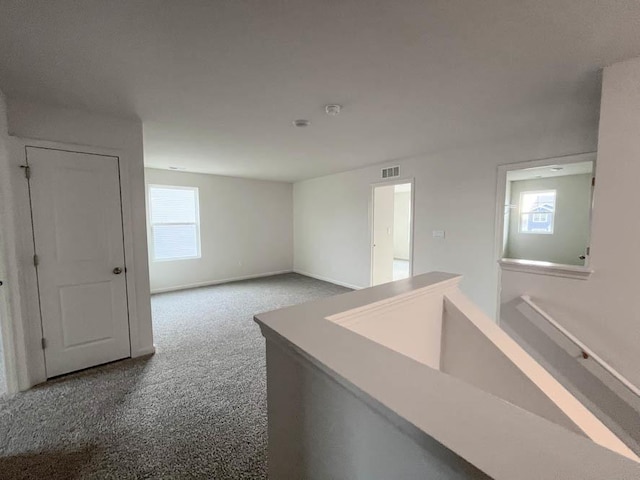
(301, 123)
(333, 110)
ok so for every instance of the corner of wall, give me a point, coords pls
(9, 294)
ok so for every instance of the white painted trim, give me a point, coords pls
(146, 351)
(217, 282)
(501, 191)
(395, 181)
(152, 246)
(459, 413)
(355, 315)
(545, 268)
(612, 371)
(328, 280)
(30, 362)
(10, 306)
(578, 413)
(27, 327)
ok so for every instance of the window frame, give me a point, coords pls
(152, 248)
(553, 214)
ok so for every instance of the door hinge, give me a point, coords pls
(588, 250)
(44, 343)
(27, 171)
(36, 261)
(593, 181)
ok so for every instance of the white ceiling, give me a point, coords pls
(218, 83)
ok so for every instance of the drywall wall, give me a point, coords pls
(37, 122)
(454, 191)
(318, 429)
(571, 224)
(246, 230)
(414, 331)
(469, 355)
(5, 310)
(401, 225)
(614, 405)
(603, 310)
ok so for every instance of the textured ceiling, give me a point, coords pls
(218, 83)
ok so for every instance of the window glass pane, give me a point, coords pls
(175, 241)
(538, 202)
(172, 205)
(536, 223)
(537, 211)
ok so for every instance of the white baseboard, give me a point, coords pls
(329, 280)
(217, 282)
(144, 351)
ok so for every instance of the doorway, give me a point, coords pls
(392, 232)
(76, 213)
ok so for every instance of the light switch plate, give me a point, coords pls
(438, 234)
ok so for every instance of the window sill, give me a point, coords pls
(545, 268)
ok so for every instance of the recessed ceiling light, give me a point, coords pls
(301, 123)
(333, 109)
(555, 169)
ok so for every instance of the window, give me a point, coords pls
(175, 222)
(537, 212)
(540, 218)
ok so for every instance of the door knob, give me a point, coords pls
(117, 270)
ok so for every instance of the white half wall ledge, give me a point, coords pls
(468, 421)
(545, 268)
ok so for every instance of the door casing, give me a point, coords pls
(396, 181)
(29, 363)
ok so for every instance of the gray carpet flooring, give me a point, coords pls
(196, 409)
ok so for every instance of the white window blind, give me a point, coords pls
(175, 223)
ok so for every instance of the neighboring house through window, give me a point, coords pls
(537, 212)
(175, 222)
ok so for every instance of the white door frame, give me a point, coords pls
(10, 291)
(501, 193)
(396, 181)
(29, 362)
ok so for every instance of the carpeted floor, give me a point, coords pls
(196, 409)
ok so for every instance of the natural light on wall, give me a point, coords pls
(175, 222)
(547, 212)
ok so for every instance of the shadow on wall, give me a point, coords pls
(545, 345)
(67, 464)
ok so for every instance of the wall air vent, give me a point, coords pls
(390, 172)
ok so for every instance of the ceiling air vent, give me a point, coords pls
(391, 172)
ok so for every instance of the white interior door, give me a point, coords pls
(77, 223)
(382, 257)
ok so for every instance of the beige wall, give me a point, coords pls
(571, 224)
(245, 230)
